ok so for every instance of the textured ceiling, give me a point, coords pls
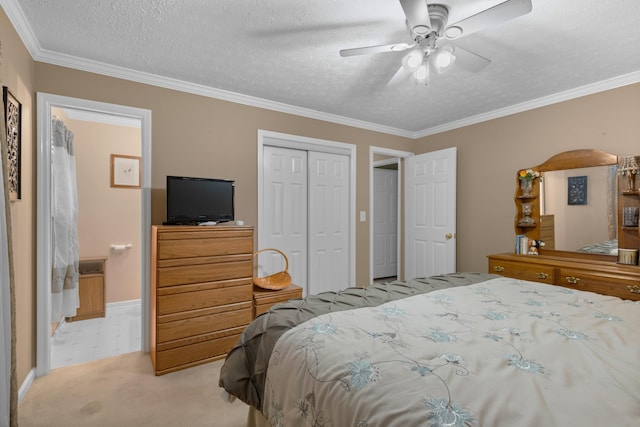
(284, 54)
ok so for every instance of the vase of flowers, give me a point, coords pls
(526, 177)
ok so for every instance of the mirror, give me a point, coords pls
(574, 205)
(584, 208)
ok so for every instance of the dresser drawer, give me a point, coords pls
(173, 327)
(522, 271)
(196, 247)
(609, 284)
(203, 271)
(169, 301)
(169, 358)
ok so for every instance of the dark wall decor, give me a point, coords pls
(577, 190)
(13, 117)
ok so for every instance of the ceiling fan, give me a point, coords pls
(430, 32)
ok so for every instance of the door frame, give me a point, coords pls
(396, 157)
(45, 102)
(296, 142)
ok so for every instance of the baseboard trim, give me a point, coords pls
(123, 304)
(26, 384)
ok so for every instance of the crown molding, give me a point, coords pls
(19, 21)
(544, 101)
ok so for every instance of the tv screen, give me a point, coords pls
(194, 200)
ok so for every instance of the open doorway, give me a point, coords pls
(46, 105)
(108, 320)
(385, 224)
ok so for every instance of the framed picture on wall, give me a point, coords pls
(577, 190)
(125, 171)
(13, 125)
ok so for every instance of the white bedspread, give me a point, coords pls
(498, 353)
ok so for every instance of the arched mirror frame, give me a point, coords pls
(574, 159)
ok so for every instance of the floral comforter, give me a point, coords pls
(502, 352)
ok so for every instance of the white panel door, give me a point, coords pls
(285, 212)
(385, 227)
(430, 214)
(328, 222)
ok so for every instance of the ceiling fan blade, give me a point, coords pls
(417, 14)
(399, 76)
(468, 60)
(397, 47)
(493, 16)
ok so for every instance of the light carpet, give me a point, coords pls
(123, 391)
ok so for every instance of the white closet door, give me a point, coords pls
(385, 227)
(285, 212)
(328, 222)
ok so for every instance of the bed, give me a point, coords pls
(465, 349)
(608, 247)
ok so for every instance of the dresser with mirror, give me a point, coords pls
(575, 227)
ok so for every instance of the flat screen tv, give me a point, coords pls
(191, 201)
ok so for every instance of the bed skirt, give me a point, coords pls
(256, 419)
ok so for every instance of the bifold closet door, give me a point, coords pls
(284, 211)
(306, 214)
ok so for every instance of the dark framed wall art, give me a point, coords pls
(577, 190)
(13, 118)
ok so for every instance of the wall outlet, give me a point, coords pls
(363, 216)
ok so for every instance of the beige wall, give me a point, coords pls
(194, 135)
(107, 215)
(198, 136)
(491, 153)
(17, 72)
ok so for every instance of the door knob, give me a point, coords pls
(448, 236)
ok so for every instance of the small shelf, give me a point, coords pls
(532, 197)
(528, 225)
(630, 192)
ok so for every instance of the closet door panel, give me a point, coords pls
(285, 212)
(328, 222)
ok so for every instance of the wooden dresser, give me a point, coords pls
(201, 293)
(264, 299)
(594, 275)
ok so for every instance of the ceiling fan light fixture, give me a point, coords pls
(443, 60)
(413, 59)
(422, 73)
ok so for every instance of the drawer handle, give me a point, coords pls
(498, 268)
(573, 280)
(634, 289)
(541, 275)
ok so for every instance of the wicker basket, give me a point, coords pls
(275, 281)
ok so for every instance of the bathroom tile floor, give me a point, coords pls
(86, 340)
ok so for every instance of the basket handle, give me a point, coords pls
(286, 260)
